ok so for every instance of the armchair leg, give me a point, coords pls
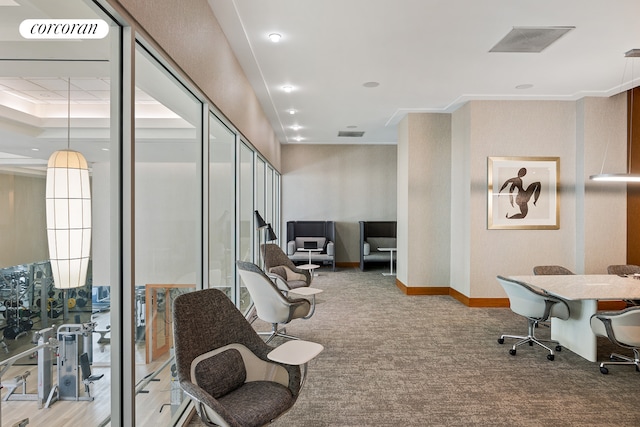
(531, 339)
(619, 359)
(275, 332)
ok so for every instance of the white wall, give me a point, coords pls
(23, 228)
(345, 184)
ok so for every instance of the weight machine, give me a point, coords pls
(46, 390)
(74, 360)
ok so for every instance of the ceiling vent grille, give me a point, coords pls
(530, 39)
(351, 133)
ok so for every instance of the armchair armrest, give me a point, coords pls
(307, 292)
(291, 247)
(331, 249)
(295, 352)
(366, 248)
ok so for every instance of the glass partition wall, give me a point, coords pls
(194, 185)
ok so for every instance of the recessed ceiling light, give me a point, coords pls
(291, 111)
(35, 149)
(296, 127)
(371, 84)
(524, 86)
(275, 37)
(287, 88)
(105, 149)
(352, 127)
(298, 138)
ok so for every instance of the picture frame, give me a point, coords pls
(523, 193)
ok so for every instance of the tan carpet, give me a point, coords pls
(397, 360)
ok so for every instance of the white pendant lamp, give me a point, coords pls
(68, 207)
(628, 176)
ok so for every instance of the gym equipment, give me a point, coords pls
(69, 357)
(46, 391)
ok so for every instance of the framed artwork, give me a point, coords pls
(523, 193)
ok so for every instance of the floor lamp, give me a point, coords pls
(260, 225)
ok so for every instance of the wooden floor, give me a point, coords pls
(152, 408)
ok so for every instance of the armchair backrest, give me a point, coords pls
(621, 327)
(207, 320)
(271, 305)
(624, 269)
(532, 303)
(550, 270)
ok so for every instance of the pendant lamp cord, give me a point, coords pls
(68, 113)
(629, 121)
(630, 118)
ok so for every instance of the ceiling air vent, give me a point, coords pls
(351, 133)
(530, 39)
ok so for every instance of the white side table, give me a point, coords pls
(391, 250)
(296, 352)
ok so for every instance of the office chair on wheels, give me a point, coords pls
(623, 329)
(536, 306)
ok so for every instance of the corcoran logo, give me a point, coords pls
(64, 29)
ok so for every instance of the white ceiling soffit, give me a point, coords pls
(530, 39)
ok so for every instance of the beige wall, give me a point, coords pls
(591, 216)
(345, 184)
(193, 39)
(23, 228)
(602, 209)
(424, 234)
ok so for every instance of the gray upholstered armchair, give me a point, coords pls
(278, 266)
(227, 369)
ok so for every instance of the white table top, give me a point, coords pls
(310, 250)
(305, 291)
(387, 249)
(586, 287)
(308, 266)
(295, 352)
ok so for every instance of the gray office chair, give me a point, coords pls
(535, 306)
(626, 270)
(222, 363)
(623, 329)
(541, 270)
(270, 303)
(550, 270)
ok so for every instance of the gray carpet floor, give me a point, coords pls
(397, 360)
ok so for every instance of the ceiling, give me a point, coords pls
(426, 56)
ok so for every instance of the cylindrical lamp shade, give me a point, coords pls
(68, 218)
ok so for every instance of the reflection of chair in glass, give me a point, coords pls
(87, 377)
(536, 306)
(270, 303)
(623, 329)
(549, 270)
(227, 369)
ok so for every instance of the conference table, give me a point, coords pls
(582, 293)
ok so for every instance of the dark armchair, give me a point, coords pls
(227, 369)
